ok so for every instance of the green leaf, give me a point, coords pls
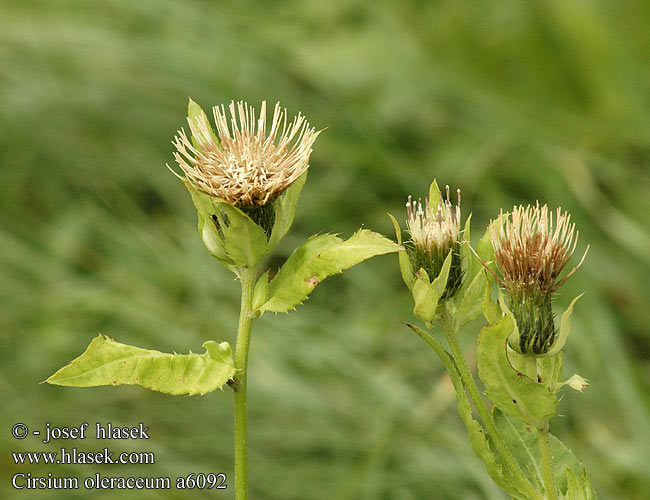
(485, 251)
(511, 391)
(484, 248)
(106, 362)
(478, 440)
(285, 210)
(426, 295)
(474, 294)
(405, 266)
(523, 443)
(565, 328)
(550, 370)
(321, 256)
(261, 292)
(467, 259)
(578, 486)
(491, 310)
(472, 299)
(244, 241)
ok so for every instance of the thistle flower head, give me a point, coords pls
(244, 164)
(531, 249)
(435, 231)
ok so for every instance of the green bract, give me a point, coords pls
(512, 391)
(232, 237)
(427, 294)
(515, 339)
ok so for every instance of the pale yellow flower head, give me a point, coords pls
(434, 229)
(245, 164)
(435, 233)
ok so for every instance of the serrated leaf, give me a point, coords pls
(321, 256)
(426, 295)
(285, 210)
(510, 390)
(478, 440)
(107, 362)
(261, 292)
(405, 266)
(523, 443)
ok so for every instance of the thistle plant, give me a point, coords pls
(519, 353)
(244, 182)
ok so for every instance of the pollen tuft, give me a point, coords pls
(531, 248)
(245, 163)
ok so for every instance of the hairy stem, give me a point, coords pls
(547, 463)
(247, 277)
(450, 329)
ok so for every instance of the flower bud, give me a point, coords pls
(435, 232)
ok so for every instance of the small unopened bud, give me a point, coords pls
(577, 383)
(435, 232)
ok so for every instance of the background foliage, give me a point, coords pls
(512, 101)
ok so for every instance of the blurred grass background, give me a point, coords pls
(511, 101)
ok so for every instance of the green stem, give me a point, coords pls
(450, 328)
(547, 463)
(247, 277)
